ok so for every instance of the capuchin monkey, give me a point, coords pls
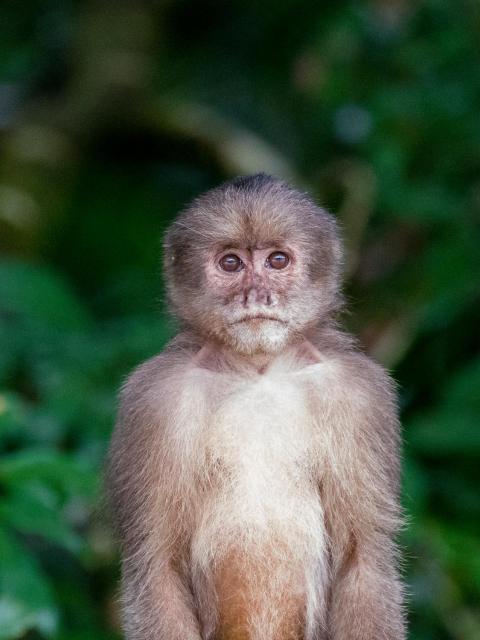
(254, 469)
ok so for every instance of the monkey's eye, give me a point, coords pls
(231, 263)
(277, 260)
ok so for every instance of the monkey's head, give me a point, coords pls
(253, 264)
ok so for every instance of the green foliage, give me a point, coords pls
(112, 117)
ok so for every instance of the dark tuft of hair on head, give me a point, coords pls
(251, 182)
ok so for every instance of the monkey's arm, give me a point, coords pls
(361, 504)
(157, 602)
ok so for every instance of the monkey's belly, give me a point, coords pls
(268, 575)
(265, 565)
(259, 598)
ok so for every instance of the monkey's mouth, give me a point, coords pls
(259, 316)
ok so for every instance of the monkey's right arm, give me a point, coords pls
(157, 602)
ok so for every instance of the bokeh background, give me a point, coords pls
(113, 115)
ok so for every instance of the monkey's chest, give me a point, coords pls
(260, 457)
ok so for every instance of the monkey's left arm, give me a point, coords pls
(361, 503)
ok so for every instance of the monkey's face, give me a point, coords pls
(253, 265)
(257, 296)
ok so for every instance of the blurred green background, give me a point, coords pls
(115, 114)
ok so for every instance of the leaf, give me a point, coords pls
(449, 431)
(40, 295)
(13, 415)
(27, 599)
(60, 471)
(452, 427)
(29, 511)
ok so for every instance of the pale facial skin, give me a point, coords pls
(254, 467)
(251, 282)
(258, 311)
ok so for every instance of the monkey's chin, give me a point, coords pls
(258, 336)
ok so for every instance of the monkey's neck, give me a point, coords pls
(220, 358)
(258, 362)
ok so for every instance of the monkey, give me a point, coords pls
(254, 468)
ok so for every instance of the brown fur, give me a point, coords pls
(239, 581)
(254, 468)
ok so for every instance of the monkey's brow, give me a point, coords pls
(257, 246)
(267, 244)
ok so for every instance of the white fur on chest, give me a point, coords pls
(261, 433)
(258, 467)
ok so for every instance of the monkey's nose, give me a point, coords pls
(256, 295)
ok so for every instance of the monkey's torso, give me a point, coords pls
(261, 524)
(249, 476)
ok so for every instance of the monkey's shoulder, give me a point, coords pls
(351, 370)
(156, 379)
(351, 378)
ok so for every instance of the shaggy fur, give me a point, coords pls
(254, 468)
